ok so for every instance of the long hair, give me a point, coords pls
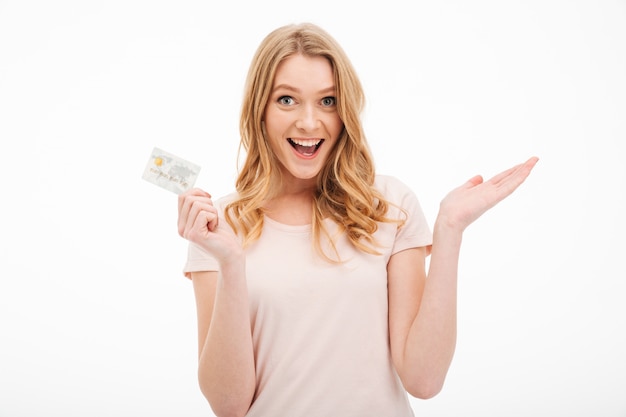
(345, 190)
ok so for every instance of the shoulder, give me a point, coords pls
(404, 204)
(393, 188)
(383, 180)
(399, 195)
(225, 200)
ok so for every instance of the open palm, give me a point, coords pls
(463, 205)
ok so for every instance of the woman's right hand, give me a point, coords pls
(198, 222)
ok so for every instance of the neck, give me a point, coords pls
(291, 206)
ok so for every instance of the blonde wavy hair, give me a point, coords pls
(345, 190)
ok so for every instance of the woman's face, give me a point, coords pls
(301, 120)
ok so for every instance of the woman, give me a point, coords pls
(310, 280)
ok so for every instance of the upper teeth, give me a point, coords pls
(306, 142)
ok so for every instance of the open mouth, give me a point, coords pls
(306, 147)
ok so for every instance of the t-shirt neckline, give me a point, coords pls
(298, 228)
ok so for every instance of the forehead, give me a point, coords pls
(302, 71)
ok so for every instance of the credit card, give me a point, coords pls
(171, 172)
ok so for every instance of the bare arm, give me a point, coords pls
(226, 371)
(422, 315)
(423, 311)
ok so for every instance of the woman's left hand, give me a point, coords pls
(466, 203)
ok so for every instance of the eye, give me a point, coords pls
(286, 100)
(329, 101)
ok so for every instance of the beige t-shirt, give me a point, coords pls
(320, 330)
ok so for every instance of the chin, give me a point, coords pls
(304, 175)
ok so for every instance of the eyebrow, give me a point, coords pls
(297, 90)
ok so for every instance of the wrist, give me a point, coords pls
(234, 264)
(444, 226)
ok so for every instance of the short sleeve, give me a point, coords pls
(198, 260)
(415, 232)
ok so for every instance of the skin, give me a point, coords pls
(302, 107)
(422, 304)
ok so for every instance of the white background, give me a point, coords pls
(96, 318)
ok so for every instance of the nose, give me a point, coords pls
(308, 119)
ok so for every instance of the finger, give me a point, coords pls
(474, 181)
(211, 220)
(202, 216)
(523, 170)
(495, 180)
(212, 224)
(191, 192)
(202, 225)
(519, 169)
(187, 213)
(509, 183)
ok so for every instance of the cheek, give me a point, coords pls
(275, 123)
(337, 127)
(273, 140)
(270, 127)
(274, 137)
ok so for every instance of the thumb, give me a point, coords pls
(474, 181)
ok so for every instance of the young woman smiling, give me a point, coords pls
(312, 293)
